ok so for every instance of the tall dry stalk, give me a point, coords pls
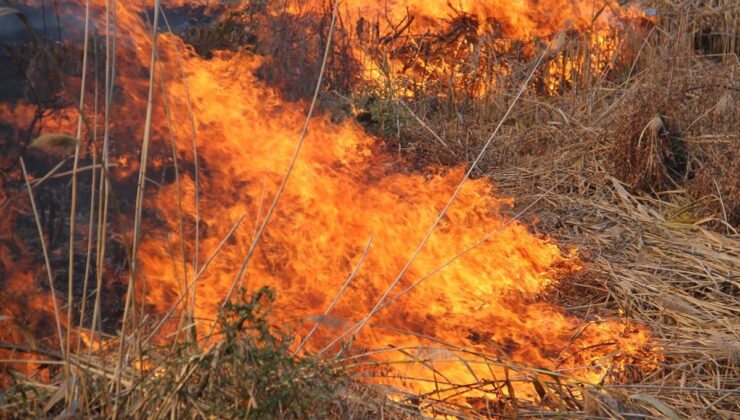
(129, 308)
(73, 211)
(196, 180)
(49, 272)
(91, 219)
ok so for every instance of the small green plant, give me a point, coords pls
(22, 398)
(251, 372)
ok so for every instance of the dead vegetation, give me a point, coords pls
(638, 170)
(645, 176)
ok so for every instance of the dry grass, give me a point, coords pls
(638, 170)
(650, 199)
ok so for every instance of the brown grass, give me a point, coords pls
(637, 169)
(650, 198)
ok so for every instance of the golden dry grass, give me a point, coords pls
(639, 171)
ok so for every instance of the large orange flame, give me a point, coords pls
(344, 190)
(404, 27)
(521, 19)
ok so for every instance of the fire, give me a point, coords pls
(474, 43)
(343, 191)
(521, 19)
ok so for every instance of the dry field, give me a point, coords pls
(348, 209)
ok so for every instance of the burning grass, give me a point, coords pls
(617, 297)
(250, 372)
